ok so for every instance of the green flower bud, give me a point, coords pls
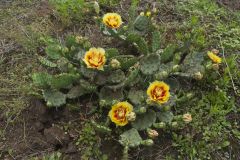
(147, 142)
(160, 125)
(65, 50)
(142, 110)
(96, 7)
(161, 75)
(198, 75)
(131, 116)
(152, 133)
(215, 66)
(174, 124)
(166, 108)
(175, 68)
(115, 63)
(102, 103)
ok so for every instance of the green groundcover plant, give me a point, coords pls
(135, 85)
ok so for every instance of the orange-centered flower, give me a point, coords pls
(158, 92)
(118, 113)
(95, 58)
(214, 57)
(112, 20)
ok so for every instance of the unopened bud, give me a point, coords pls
(215, 66)
(187, 118)
(78, 39)
(102, 103)
(175, 68)
(142, 110)
(174, 124)
(148, 14)
(125, 28)
(198, 75)
(160, 125)
(161, 75)
(115, 63)
(73, 48)
(154, 10)
(131, 116)
(96, 7)
(142, 14)
(65, 50)
(152, 133)
(148, 142)
(215, 51)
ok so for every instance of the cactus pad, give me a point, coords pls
(150, 64)
(116, 77)
(109, 96)
(63, 80)
(137, 97)
(145, 120)
(166, 117)
(41, 79)
(130, 138)
(54, 98)
(142, 24)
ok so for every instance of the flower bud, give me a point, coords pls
(161, 75)
(96, 7)
(115, 63)
(142, 14)
(174, 124)
(78, 39)
(102, 103)
(125, 28)
(142, 110)
(215, 66)
(160, 125)
(147, 142)
(148, 14)
(154, 10)
(131, 116)
(73, 48)
(198, 75)
(65, 50)
(215, 51)
(187, 118)
(152, 133)
(175, 68)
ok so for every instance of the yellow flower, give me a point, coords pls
(118, 113)
(214, 57)
(95, 58)
(158, 92)
(112, 20)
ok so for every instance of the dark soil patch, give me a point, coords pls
(39, 131)
(232, 4)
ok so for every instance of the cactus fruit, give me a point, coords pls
(144, 121)
(150, 64)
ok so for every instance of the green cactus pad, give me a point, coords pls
(63, 80)
(100, 128)
(54, 98)
(156, 41)
(87, 86)
(76, 92)
(141, 44)
(145, 120)
(87, 72)
(109, 96)
(111, 52)
(46, 62)
(116, 77)
(130, 138)
(137, 97)
(168, 53)
(41, 80)
(166, 117)
(142, 24)
(150, 64)
(53, 51)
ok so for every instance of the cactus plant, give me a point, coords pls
(145, 121)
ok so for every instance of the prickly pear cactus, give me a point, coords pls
(150, 64)
(130, 138)
(54, 98)
(145, 121)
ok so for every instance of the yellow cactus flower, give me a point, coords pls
(158, 91)
(214, 57)
(112, 20)
(118, 113)
(95, 58)
(148, 14)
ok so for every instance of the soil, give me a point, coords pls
(232, 4)
(38, 131)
